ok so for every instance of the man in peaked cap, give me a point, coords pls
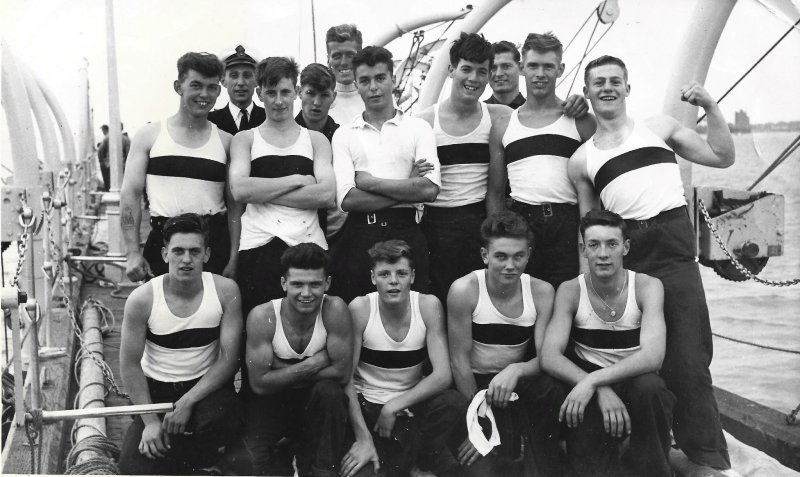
(241, 112)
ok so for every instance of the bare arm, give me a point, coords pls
(586, 125)
(234, 216)
(339, 345)
(579, 176)
(461, 301)
(248, 189)
(498, 174)
(133, 184)
(554, 362)
(322, 193)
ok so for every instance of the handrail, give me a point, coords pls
(132, 410)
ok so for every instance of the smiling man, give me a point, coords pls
(299, 355)
(181, 161)
(386, 166)
(343, 43)
(282, 171)
(181, 335)
(505, 76)
(241, 113)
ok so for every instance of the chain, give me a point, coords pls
(26, 220)
(55, 251)
(742, 269)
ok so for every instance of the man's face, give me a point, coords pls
(469, 79)
(505, 73)
(240, 81)
(541, 70)
(604, 247)
(340, 60)
(304, 288)
(607, 88)
(198, 93)
(316, 103)
(375, 85)
(279, 99)
(185, 253)
(393, 280)
(506, 258)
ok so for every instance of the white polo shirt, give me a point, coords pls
(387, 154)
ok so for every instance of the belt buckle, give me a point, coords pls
(547, 210)
(371, 219)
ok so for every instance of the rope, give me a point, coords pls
(757, 345)
(103, 464)
(778, 161)
(754, 65)
(33, 429)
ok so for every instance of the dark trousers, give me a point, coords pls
(427, 440)
(351, 265)
(218, 239)
(529, 429)
(454, 243)
(555, 240)
(105, 171)
(259, 274)
(594, 452)
(664, 247)
(214, 422)
(315, 418)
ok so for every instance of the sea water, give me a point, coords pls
(747, 311)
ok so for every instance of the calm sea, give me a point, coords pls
(747, 311)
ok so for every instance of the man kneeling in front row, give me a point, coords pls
(616, 321)
(181, 334)
(299, 355)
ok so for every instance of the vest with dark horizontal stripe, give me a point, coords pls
(536, 159)
(638, 179)
(261, 222)
(184, 179)
(499, 340)
(280, 345)
(181, 349)
(465, 162)
(388, 368)
(606, 342)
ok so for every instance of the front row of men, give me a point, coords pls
(367, 389)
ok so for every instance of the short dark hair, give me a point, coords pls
(603, 217)
(342, 33)
(390, 251)
(471, 47)
(372, 55)
(505, 224)
(602, 61)
(318, 76)
(104, 128)
(305, 256)
(206, 64)
(270, 71)
(506, 47)
(185, 224)
(543, 43)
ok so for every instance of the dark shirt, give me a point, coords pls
(328, 129)
(102, 150)
(516, 103)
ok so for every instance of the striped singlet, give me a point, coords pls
(388, 368)
(498, 340)
(184, 179)
(536, 159)
(638, 179)
(606, 342)
(262, 222)
(465, 162)
(181, 349)
(280, 345)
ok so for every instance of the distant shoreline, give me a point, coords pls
(780, 126)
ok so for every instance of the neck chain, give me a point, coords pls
(612, 309)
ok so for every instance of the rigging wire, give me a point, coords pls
(778, 161)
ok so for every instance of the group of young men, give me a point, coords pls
(343, 351)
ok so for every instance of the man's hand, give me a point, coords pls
(420, 168)
(136, 267)
(230, 269)
(386, 420)
(360, 453)
(694, 94)
(364, 180)
(154, 443)
(176, 422)
(498, 394)
(467, 453)
(575, 404)
(616, 420)
(575, 106)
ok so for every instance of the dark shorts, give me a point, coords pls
(259, 274)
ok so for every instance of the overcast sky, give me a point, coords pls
(53, 36)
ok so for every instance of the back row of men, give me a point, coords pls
(292, 180)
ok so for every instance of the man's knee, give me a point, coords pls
(649, 387)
